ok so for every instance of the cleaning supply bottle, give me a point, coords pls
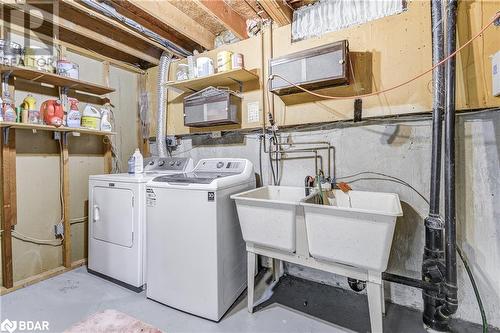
(91, 118)
(1, 109)
(135, 162)
(138, 161)
(106, 125)
(74, 116)
(9, 114)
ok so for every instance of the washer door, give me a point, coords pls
(113, 215)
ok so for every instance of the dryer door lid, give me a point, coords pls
(113, 215)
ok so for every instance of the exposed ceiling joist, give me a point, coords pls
(87, 34)
(120, 27)
(279, 12)
(171, 16)
(226, 15)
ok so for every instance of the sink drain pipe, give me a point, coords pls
(450, 305)
(439, 267)
(433, 266)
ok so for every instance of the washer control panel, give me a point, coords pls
(223, 165)
(155, 164)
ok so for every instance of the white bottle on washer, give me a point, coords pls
(138, 161)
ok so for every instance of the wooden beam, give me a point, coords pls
(42, 276)
(66, 197)
(280, 13)
(8, 212)
(120, 27)
(108, 154)
(75, 28)
(76, 49)
(173, 17)
(154, 24)
(226, 15)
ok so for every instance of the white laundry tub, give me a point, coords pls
(267, 215)
(357, 231)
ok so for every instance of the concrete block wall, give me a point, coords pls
(402, 148)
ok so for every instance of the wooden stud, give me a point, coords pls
(176, 19)
(108, 154)
(66, 198)
(8, 212)
(226, 15)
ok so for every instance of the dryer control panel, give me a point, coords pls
(157, 164)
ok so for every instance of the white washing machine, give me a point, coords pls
(196, 254)
(117, 221)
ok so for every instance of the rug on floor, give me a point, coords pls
(110, 321)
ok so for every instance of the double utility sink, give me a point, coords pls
(357, 230)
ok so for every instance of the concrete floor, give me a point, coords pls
(296, 306)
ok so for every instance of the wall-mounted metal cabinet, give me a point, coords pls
(212, 106)
(319, 67)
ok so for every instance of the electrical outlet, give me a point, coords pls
(216, 134)
(57, 136)
(59, 230)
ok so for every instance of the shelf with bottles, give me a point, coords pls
(40, 127)
(53, 116)
(34, 75)
(226, 78)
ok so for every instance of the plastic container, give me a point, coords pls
(106, 125)
(267, 215)
(74, 117)
(68, 69)
(224, 61)
(204, 66)
(10, 53)
(357, 231)
(182, 72)
(91, 118)
(138, 161)
(237, 61)
(9, 113)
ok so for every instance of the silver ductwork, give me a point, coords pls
(161, 116)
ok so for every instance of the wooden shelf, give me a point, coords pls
(227, 78)
(53, 129)
(54, 79)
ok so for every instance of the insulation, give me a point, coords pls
(332, 15)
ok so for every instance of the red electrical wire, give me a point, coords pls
(497, 16)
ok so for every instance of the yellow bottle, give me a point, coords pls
(29, 104)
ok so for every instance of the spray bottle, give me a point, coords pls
(9, 114)
(74, 116)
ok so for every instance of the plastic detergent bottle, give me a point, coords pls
(135, 162)
(74, 116)
(138, 161)
(9, 114)
(106, 120)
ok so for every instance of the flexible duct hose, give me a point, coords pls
(161, 129)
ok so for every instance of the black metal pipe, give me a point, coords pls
(451, 304)
(407, 281)
(438, 104)
(433, 259)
